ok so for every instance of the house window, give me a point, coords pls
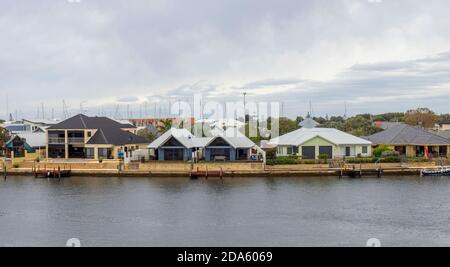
(290, 150)
(105, 153)
(89, 153)
(89, 134)
(365, 149)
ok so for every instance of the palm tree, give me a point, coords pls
(164, 125)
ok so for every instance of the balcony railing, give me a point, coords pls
(56, 140)
(76, 140)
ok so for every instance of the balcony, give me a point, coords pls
(75, 140)
(56, 140)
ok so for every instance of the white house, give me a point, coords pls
(309, 142)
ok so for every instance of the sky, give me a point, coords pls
(124, 57)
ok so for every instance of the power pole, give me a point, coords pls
(245, 108)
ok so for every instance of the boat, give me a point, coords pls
(442, 171)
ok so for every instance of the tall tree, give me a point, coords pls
(423, 117)
(147, 134)
(164, 125)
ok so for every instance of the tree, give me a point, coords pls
(423, 117)
(147, 134)
(164, 125)
(4, 137)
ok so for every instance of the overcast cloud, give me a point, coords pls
(376, 56)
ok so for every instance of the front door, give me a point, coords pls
(348, 151)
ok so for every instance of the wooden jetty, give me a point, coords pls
(56, 173)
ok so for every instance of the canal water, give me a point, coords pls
(399, 211)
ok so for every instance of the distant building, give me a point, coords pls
(444, 125)
(144, 122)
(83, 137)
(412, 141)
(309, 142)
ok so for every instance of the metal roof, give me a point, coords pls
(407, 135)
(300, 136)
(232, 136)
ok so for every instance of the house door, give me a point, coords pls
(348, 151)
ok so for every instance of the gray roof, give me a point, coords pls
(407, 135)
(446, 121)
(81, 121)
(445, 134)
(109, 132)
(116, 137)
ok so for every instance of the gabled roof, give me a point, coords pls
(81, 121)
(334, 136)
(232, 136)
(115, 136)
(181, 135)
(407, 135)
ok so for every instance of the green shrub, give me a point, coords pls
(289, 160)
(323, 157)
(377, 152)
(16, 165)
(390, 160)
(100, 160)
(361, 160)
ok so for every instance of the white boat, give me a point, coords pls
(441, 171)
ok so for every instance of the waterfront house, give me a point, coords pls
(310, 142)
(411, 141)
(83, 137)
(229, 144)
(175, 145)
(181, 145)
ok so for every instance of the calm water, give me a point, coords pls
(407, 211)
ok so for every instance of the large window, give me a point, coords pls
(174, 154)
(220, 153)
(89, 153)
(326, 150)
(105, 153)
(308, 152)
